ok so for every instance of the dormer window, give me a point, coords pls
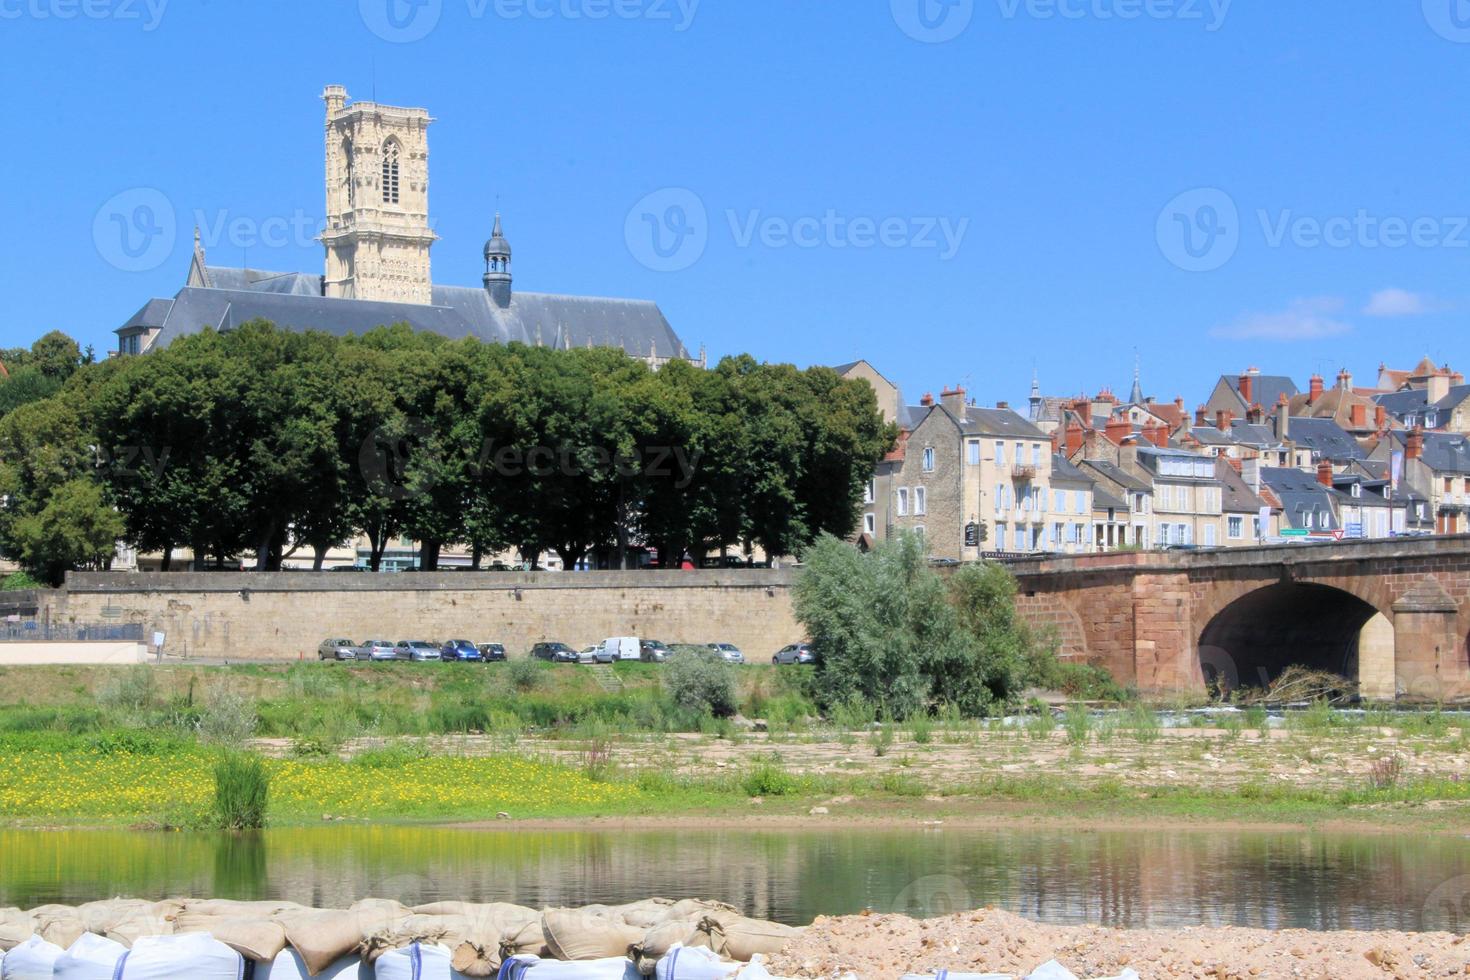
(390, 172)
(1357, 490)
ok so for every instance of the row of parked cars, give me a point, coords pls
(610, 650)
(420, 651)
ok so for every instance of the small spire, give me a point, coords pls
(1135, 397)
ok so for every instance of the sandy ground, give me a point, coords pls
(886, 946)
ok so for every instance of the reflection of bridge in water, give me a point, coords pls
(1153, 878)
(1392, 614)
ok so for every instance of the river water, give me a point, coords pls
(1127, 879)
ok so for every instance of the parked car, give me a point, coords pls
(653, 652)
(419, 650)
(377, 651)
(492, 652)
(460, 651)
(729, 651)
(336, 650)
(621, 648)
(595, 654)
(797, 653)
(556, 653)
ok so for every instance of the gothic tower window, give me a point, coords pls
(390, 172)
(351, 174)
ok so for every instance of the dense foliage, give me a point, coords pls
(262, 442)
(889, 632)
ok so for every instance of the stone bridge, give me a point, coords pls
(1392, 614)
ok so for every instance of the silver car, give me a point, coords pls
(376, 651)
(336, 650)
(729, 651)
(416, 650)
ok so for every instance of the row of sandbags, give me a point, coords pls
(480, 937)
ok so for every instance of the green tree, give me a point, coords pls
(77, 528)
(56, 356)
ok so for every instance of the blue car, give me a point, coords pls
(461, 651)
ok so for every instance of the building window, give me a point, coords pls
(1357, 490)
(1256, 528)
(1163, 535)
(973, 449)
(921, 501)
(903, 501)
(129, 344)
(1000, 454)
(870, 524)
(1061, 501)
(1185, 534)
(919, 530)
(1058, 533)
(1000, 497)
(929, 459)
(1235, 528)
(1209, 535)
(1036, 455)
(390, 172)
(871, 494)
(1000, 537)
(1079, 497)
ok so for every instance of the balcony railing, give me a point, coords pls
(1023, 474)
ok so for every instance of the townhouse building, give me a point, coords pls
(1434, 469)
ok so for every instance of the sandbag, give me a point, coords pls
(739, 938)
(288, 965)
(34, 959)
(416, 962)
(698, 908)
(260, 940)
(196, 956)
(59, 925)
(528, 940)
(426, 930)
(661, 939)
(644, 915)
(694, 963)
(229, 908)
(16, 926)
(573, 934)
(143, 922)
(92, 957)
(321, 937)
(535, 968)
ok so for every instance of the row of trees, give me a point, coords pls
(264, 442)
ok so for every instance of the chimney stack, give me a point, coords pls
(1414, 444)
(1002, 405)
(1222, 420)
(1324, 473)
(1283, 417)
(1201, 416)
(1157, 433)
(1117, 430)
(928, 400)
(1255, 415)
(1315, 391)
(1074, 438)
(1380, 418)
(1247, 387)
(1360, 416)
(1056, 441)
(954, 401)
(1344, 379)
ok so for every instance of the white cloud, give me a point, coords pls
(1397, 302)
(1304, 319)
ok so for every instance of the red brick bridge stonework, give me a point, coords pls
(1394, 615)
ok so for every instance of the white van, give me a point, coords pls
(621, 648)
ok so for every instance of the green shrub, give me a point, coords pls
(1143, 724)
(768, 779)
(228, 718)
(241, 792)
(701, 685)
(131, 690)
(922, 727)
(526, 675)
(1040, 725)
(131, 741)
(898, 784)
(20, 581)
(880, 737)
(394, 756)
(1078, 722)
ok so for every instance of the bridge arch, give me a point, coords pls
(1254, 634)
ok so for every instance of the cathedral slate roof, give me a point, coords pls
(293, 301)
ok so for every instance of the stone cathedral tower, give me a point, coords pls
(377, 236)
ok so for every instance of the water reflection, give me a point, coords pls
(1271, 881)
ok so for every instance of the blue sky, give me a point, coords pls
(959, 192)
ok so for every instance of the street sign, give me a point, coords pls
(1294, 532)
